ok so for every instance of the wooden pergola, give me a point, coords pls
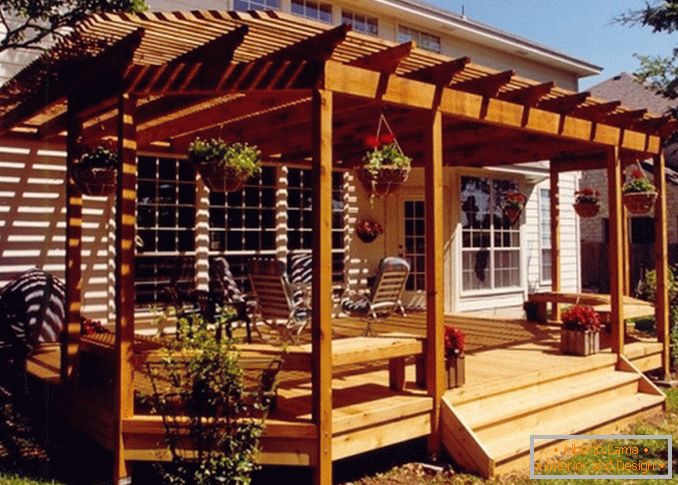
(155, 81)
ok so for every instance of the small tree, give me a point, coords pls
(212, 420)
(27, 23)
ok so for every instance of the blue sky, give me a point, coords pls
(581, 28)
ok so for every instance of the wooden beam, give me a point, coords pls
(626, 253)
(554, 209)
(440, 74)
(579, 162)
(219, 50)
(625, 119)
(387, 60)
(105, 67)
(435, 290)
(319, 47)
(321, 313)
(614, 184)
(651, 125)
(596, 111)
(71, 332)
(564, 104)
(125, 226)
(528, 96)
(661, 258)
(487, 85)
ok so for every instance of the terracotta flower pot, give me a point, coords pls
(221, 179)
(639, 202)
(95, 181)
(586, 209)
(577, 342)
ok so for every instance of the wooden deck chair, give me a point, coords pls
(275, 302)
(385, 294)
(301, 276)
(224, 291)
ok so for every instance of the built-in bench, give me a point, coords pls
(633, 308)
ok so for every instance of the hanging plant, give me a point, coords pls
(368, 230)
(586, 202)
(638, 193)
(95, 172)
(514, 203)
(224, 167)
(385, 167)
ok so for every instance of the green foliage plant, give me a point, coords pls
(102, 157)
(385, 155)
(241, 158)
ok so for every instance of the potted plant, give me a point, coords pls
(95, 172)
(586, 203)
(225, 167)
(638, 193)
(514, 203)
(455, 342)
(368, 230)
(385, 167)
(580, 333)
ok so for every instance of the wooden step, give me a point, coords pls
(531, 400)
(508, 446)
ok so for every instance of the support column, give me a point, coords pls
(126, 197)
(435, 346)
(321, 314)
(626, 253)
(661, 258)
(71, 333)
(554, 194)
(614, 184)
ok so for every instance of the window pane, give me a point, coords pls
(415, 240)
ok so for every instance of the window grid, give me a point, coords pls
(545, 234)
(256, 5)
(490, 244)
(423, 40)
(300, 217)
(360, 22)
(165, 224)
(415, 244)
(313, 10)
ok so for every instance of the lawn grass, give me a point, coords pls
(415, 473)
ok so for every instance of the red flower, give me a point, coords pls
(637, 174)
(581, 318)
(455, 341)
(371, 142)
(386, 139)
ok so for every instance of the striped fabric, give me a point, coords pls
(32, 310)
(223, 282)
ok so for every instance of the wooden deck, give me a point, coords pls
(368, 413)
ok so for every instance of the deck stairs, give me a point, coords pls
(489, 432)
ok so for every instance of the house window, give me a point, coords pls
(165, 225)
(415, 244)
(300, 217)
(545, 234)
(313, 10)
(490, 244)
(424, 40)
(360, 22)
(256, 4)
(243, 223)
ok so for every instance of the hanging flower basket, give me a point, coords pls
(224, 167)
(638, 193)
(514, 203)
(586, 202)
(368, 230)
(580, 333)
(95, 173)
(385, 167)
(455, 363)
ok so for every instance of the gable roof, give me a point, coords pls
(632, 93)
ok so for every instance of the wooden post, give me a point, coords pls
(626, 254)
(126, 196)
(661, 257)
(321, 315)
(614, 183)
(435, 347)
(554, 194)
(71, 333)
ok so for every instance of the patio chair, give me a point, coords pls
(384, 296)
(301, 276)
(224, 291)
(276, 306)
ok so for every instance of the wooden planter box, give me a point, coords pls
(456, 371)
(220, 179)
(95, 182)
(639, 202)
(574, 342)
(586, 209)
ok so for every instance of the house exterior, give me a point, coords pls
(641, 228)
(486, 267)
